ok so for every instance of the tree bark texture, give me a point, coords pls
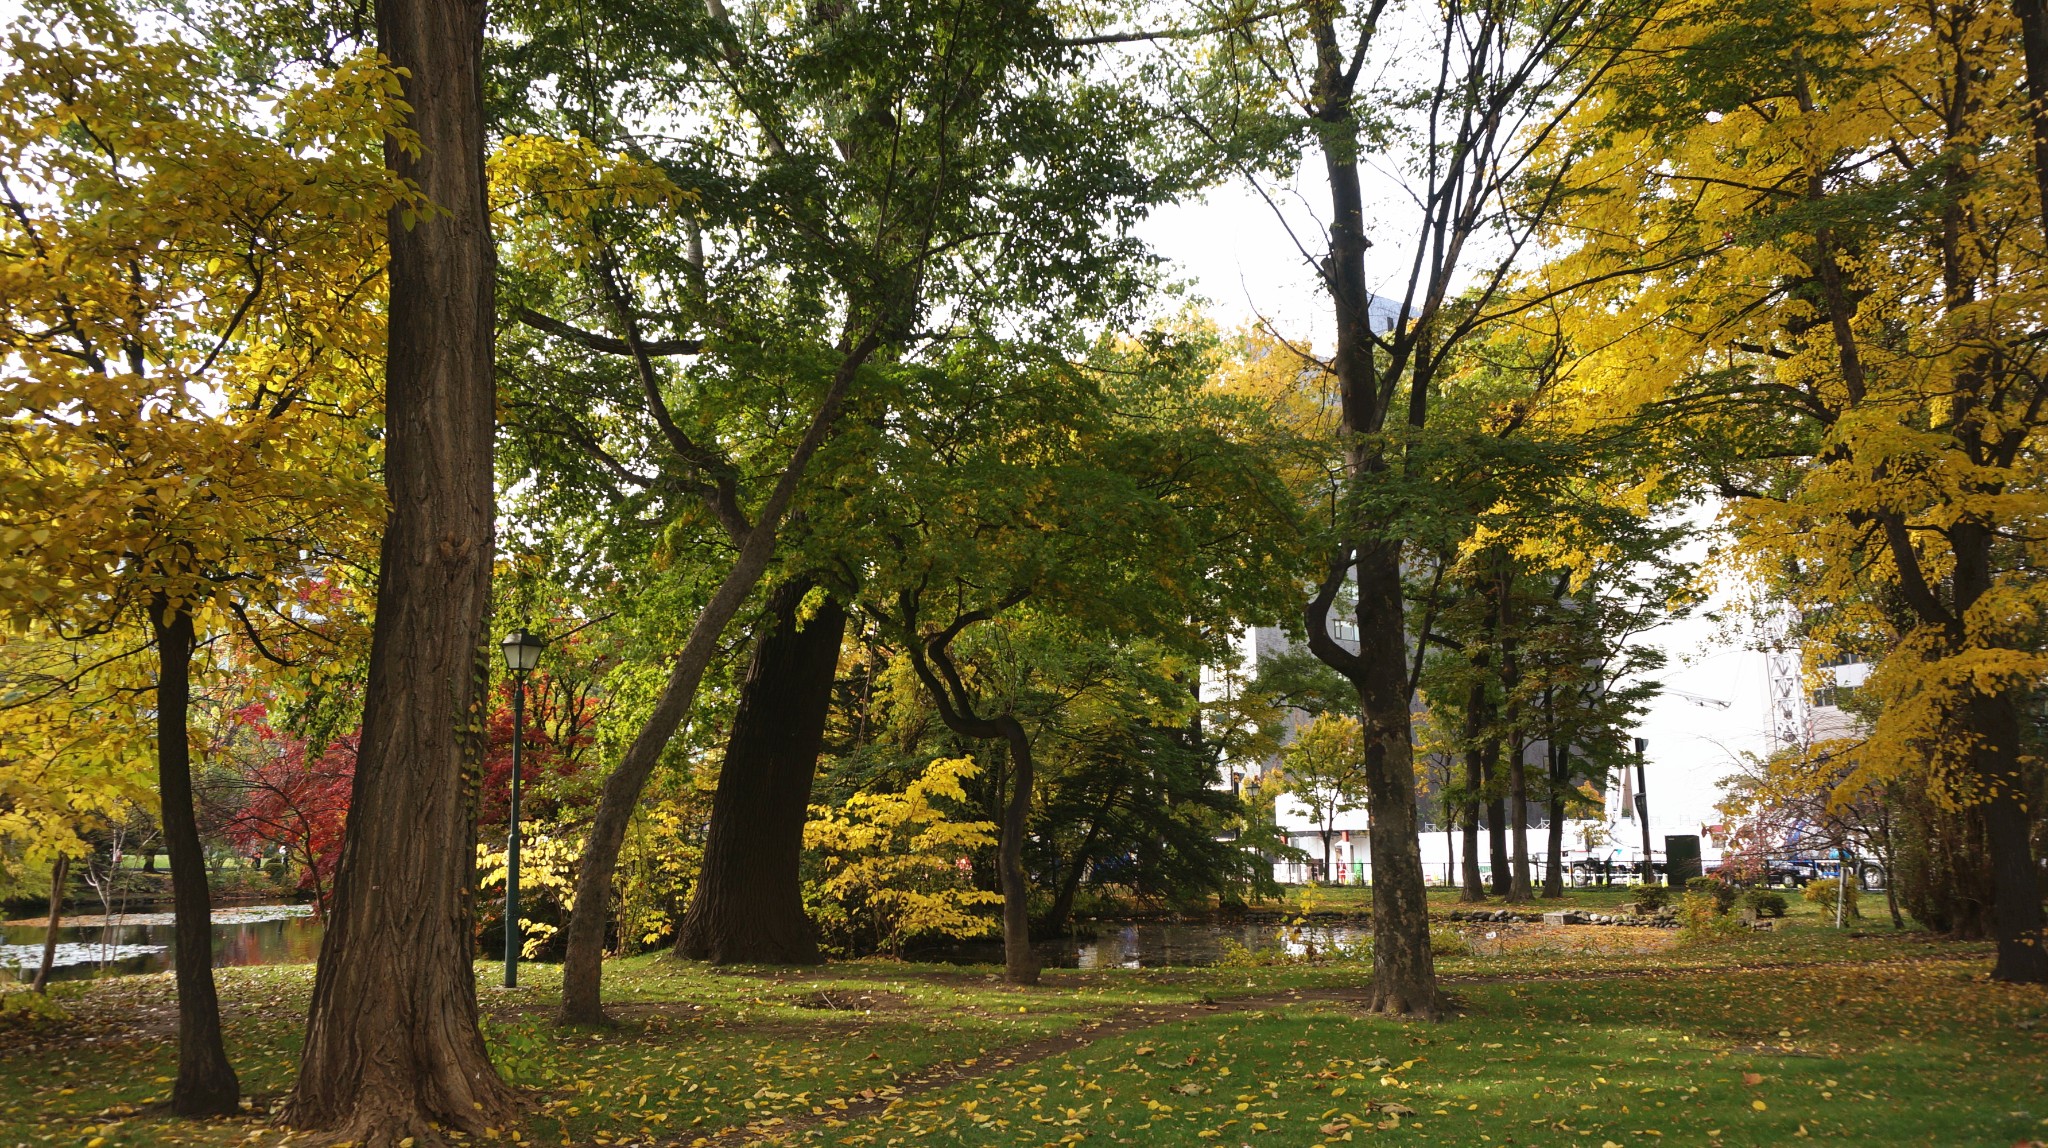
(392, 1048)
(1020, 964)
(1496, 820)
(1475, 781)
(2033, 16)
(206, 1084)
(1517, 746)
(59, 871)
(2015, 892)
(1404, 969)
(748, 905)
(1553, 873)
(583, 956)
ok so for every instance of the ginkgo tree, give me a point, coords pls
(189, 289)
(1841, 339)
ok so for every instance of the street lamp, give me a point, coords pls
(1642, 811)
(522, 653)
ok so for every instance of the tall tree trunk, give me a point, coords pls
(1404, 969)
(392, 1049)
(1496, 820)
(1518, 820)
(2015, 895)
(1553, 874)
(1517, 744)
(206, 1084)
(1020, 964)
(748, 906)
(1475, 784)
(59, 870)
(2033, 16)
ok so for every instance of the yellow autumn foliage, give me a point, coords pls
(895, 865)
(1812, 278)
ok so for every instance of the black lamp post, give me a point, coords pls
(522, 653)
(1643, 811)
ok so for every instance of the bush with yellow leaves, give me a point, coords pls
(893, 867)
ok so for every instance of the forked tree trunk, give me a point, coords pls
(1404, 970)
(392, 1049)
(589, 918)
(748, 905)
(950, 695)
(1058, 919)
(206, 1084)
(59, 870)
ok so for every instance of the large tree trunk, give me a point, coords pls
(59, 870)
(1517, 746)
(2015, 893)
(748, 906)
(1475, 783)
(1404, 969)
(1496, 820)
(1020, 964)
(392, 1049)
(2033, 15)
(1553, 874)
(1518, 814)
(206, 1084)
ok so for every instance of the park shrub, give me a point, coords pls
(1701, 917)
(1763, 902)
(1650, 898)
(1824, 891)
(1445, 941)
(1720, 891)
(22, 1007)
(893, 867)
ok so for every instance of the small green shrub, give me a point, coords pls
(1763, 902)
(1823, 893)
(1650, 898)
(1445, 941)
(1701, 917)
(1720, 891)
(24, 1008)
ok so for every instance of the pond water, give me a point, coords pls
(287, 934)
(97, 946)
(1154, 944)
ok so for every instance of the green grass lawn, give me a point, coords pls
(1875, 1039)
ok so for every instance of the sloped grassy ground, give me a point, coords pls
(1589, 1037)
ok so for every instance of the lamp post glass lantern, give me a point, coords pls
(522, 653)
